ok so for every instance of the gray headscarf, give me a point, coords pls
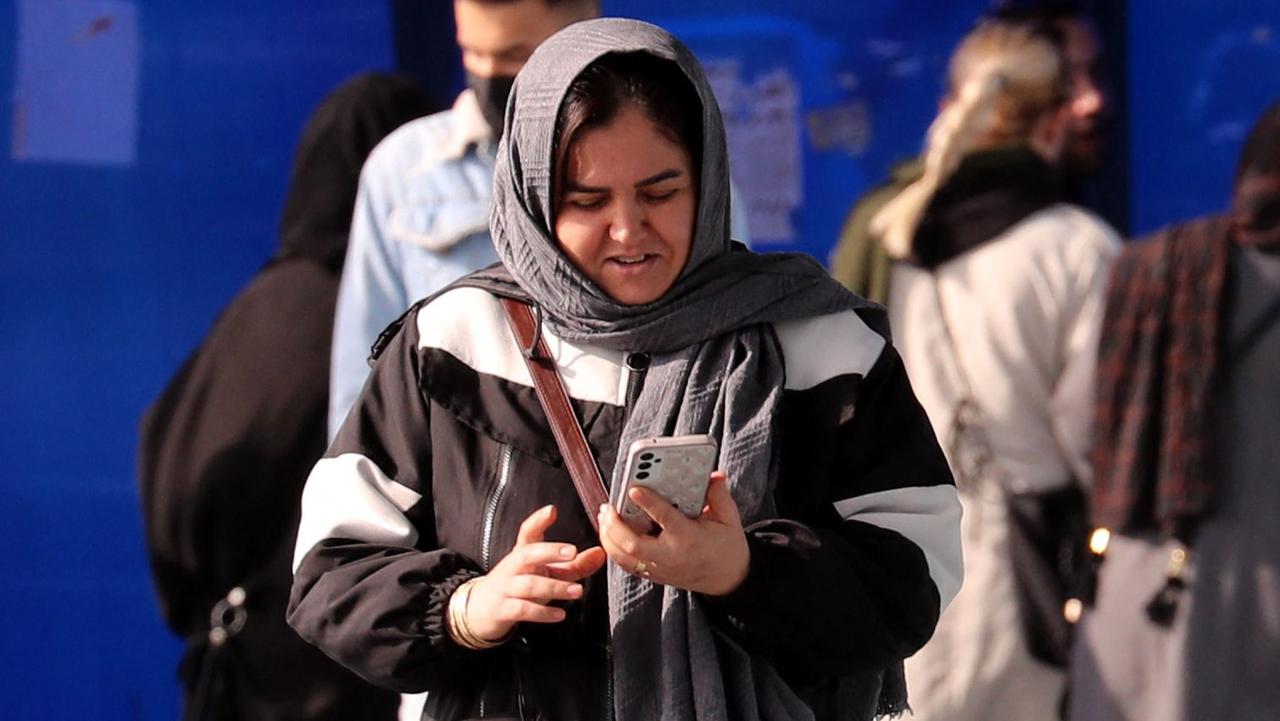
(716, 368)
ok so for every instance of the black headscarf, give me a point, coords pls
(331, 151)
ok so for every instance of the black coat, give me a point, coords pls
(226, 448)
(448, 450)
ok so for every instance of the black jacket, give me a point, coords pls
(447, 450)
(226, 448)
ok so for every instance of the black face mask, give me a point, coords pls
(492, 94)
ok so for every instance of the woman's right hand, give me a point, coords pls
(534, 574)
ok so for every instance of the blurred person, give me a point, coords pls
(1186, 623)
(995, 294)
(422, 214)
(1085, 147)
(443, 546)
(226, 447)
(859, 261)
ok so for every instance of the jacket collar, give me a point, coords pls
(468, 128)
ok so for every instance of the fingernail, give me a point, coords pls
(575, 590)
(604, 508)
(566, 551)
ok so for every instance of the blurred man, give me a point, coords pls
(422, 213)
(858, 260)
(1090, 104)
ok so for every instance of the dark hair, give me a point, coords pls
(1044, 17)
(1261, 153)
(655, 86)
(1035, 10)
(548, 3)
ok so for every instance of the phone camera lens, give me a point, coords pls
(646, 466)
(646, 456)
(642, 475)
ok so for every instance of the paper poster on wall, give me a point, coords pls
(762, 123)
(76, 95)
(820, 99)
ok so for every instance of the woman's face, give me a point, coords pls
(626, 213)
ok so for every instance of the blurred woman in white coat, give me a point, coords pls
(996, 294)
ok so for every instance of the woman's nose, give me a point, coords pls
(627, 223)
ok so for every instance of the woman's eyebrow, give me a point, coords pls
(574, 187)
(659, 177)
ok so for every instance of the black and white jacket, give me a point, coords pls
(448, 450)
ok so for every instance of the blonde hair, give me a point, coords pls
(1003, 78)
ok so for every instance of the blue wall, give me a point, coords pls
(1198, 78)
(145, 156)
(115, 260)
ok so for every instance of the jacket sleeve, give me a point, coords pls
(854, 573)
(372, 294)
(370, 582)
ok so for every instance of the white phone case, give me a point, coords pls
(678, 468)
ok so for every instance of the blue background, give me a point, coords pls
(111, 273)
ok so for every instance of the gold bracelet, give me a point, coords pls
(456, 621)
(458, 628)
(468, 637)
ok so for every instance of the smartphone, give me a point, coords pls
(677, 468)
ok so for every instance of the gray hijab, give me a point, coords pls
(716, 368)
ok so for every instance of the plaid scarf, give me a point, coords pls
(1157, 362)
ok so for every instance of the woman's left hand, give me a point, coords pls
(708, 554)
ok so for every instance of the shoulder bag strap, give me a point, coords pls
(968, 412)
(967, 420)
(555, 403)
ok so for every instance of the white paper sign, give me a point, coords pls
(763, 127)
(76, 96)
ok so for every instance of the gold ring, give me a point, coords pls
(642, 568)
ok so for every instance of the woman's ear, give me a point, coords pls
(1050, 133)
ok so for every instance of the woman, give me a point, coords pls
(828, 545)
(996, 294)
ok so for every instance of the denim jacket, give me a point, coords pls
(421, 221)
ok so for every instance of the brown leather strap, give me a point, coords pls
(555, 402)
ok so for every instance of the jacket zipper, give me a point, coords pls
(490, 514)
(491, 508)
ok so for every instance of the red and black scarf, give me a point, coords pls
(1157, 363)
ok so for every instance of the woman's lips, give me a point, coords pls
(632, 265)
